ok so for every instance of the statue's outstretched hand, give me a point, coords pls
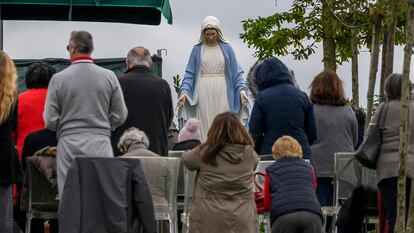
(244, 99)
(181, 101)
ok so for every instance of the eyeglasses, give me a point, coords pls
(68, 47)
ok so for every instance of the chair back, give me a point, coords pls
(175, 153)
(41, 197)
(161, 174)
(347, 173)
(180, 182)
(189, 182)
(268, 157)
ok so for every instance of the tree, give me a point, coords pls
(354, 60)
(308, 22)
(373, 68)
(298, 31)
(404, 129)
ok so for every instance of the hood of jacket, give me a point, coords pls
(233, 153)
(272, 71)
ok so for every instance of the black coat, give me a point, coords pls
(10, 169)
(36, 141)
(280, 109)
(150, 109)
(186, 145)
(105, 195)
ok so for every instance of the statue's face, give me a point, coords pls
(211, 36)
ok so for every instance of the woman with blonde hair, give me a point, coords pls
(290, 190)
(10, 170)
(223, 196)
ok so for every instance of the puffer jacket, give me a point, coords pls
(280, 109)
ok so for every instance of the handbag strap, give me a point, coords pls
(381, 121)
(260, 188)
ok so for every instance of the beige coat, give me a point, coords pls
(156, 173)
(223, 195)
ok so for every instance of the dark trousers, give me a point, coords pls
(388, 189)
(298, 222)
(324, 192)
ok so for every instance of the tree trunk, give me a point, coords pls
(373, 66)
(329, 55)
(405, 124)
(354, 61)
(387, 54)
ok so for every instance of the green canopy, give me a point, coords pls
(117, 65)
(120, 11)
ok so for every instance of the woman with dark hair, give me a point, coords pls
(223, 196)
(31, 102)
(337, 130)
(387, 161)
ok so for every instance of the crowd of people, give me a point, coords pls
(86, 111)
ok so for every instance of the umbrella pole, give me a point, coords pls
(1, 31)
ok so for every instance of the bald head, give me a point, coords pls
(138, 56)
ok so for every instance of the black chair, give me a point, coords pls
(42, 201)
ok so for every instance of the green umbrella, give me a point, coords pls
(120, 11)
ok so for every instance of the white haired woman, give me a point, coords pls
(213, 81)
(134, 142)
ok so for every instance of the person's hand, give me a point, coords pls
(181, 101)
(244, 99)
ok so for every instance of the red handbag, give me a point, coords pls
(259, 196)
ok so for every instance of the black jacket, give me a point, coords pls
(10, 169)
(280, 109)
(150, 109)
(291, 187)
(186, 145)
(36, 141)
(105, 195)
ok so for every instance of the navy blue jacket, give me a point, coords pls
(280, 109)
(291, 187)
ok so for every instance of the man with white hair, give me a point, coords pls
(148, 99)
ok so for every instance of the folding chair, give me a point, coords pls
(264, 218)
(161, 174)
(42, 201)
(189, 181)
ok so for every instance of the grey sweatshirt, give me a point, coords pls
(337, 129)
(84, 98)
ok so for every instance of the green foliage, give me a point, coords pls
(177, 83)
(298, 30)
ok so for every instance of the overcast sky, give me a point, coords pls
(26, 39)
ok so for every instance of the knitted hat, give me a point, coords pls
(190, 131)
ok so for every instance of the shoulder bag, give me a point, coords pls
(367, 154)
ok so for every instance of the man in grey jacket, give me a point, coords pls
(84, 103)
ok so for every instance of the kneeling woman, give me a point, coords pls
(223, 197)
(290, 185)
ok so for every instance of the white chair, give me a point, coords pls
(161, 174)
(189, 181)
(263, 218)
(346, 178)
